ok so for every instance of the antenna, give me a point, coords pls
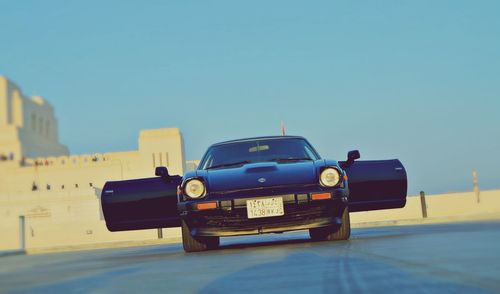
(282, 128)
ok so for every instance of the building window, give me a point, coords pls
(76, 185)
(47, 128)
(91, 185)
(33, 122)
(48, 187)
(62, 187)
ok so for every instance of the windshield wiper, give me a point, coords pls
(290, 159)
(229, 164)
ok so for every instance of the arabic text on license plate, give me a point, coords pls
(265, 207)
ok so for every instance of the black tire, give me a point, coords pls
(196, 244)
(335, 233)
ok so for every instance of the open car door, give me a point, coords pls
(376, 184)
(149, 203)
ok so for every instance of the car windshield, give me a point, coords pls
(261, 150)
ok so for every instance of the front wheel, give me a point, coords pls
(196, 244)
(333, 233)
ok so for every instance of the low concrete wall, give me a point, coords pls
(54, 221)
(439, 206)
(77, 221)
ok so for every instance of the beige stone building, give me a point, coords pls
(28, 126)
(59, 193)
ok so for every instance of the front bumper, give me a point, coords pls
(230, 217)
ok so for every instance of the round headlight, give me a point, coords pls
(329, 177)
(194, 188)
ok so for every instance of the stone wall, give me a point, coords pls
(59, 196)
(58, 220)
(438, 206)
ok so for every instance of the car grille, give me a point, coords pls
(238, 219)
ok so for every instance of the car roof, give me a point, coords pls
(259, 138)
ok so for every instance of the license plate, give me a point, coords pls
(265, 207)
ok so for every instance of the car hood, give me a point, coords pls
(260, 175)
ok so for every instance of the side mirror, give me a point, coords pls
(351, 156)
(161, 171)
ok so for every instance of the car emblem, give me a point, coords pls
(261, 180)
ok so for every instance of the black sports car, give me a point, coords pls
(255, 186)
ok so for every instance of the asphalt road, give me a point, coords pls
(451, 258)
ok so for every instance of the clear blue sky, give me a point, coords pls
(415, 80)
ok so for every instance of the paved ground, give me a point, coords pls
(450, 258)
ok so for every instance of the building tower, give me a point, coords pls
(28, 127)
